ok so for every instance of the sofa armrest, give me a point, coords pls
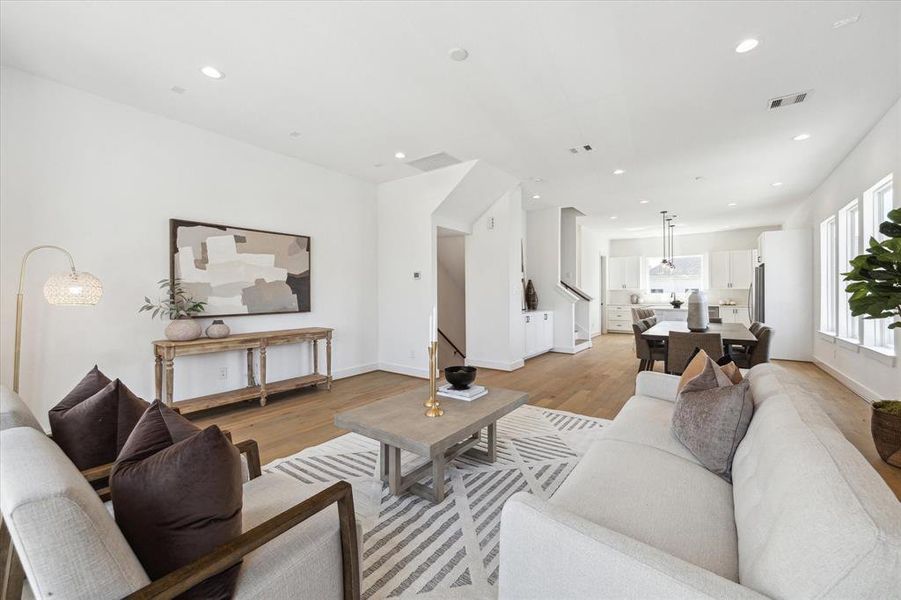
(227, 555)
(657, 385)
(549, 553)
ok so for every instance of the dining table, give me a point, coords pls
(732, 333)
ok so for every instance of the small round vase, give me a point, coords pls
(183, 330)
(217, 330)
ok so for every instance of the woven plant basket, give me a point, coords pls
(886, 428)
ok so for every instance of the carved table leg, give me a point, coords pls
(262, 374)
(328, 359)
(170, 377)
(251, 381)
(158, 375)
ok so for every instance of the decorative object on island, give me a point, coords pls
(531, 296)
(73, 288)
(165, 351)
(460, 377)
(432, 404)
(217, 330)
(876, 292)
(179, 307)
(239, 271)
(698, 315)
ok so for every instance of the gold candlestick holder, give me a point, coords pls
(434, 407)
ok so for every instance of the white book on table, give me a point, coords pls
(470, 392)
(464, 398)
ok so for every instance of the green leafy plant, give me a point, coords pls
(876, 275)
(176, 304)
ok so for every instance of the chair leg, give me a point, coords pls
(642, 365)
(650, 365)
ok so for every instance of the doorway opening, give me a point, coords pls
(451, 298)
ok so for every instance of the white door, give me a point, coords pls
(719, 270)
(742, 262)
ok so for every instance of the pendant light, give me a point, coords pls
(672, 246)
(665, 262)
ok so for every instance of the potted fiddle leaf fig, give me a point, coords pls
(179, 307)
(876, 292)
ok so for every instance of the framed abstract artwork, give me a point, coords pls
(239, 271)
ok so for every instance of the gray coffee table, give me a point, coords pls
(399, 422)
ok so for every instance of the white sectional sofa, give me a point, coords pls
(805, 517)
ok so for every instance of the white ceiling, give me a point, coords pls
(655, 88)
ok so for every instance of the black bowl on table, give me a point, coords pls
(460, 377)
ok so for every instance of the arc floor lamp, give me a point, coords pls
(73, 288)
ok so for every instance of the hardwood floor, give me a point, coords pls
(596, 382)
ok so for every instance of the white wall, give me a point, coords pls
(877, 155)
(591, 247)
(569, 245)
(102, 179)
(409, 212)
(494, 288)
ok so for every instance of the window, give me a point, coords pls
(878, 201)
(849, 247)
(828, 275)
(688, 274)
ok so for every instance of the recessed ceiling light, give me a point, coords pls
(536, 197)
(699, 178)
(458, 54)
(776, 183)
(746, 45)
(294, 134)
(538, 180)
(732, 204)
(618, 172)
(846, 21)
(399, 155)
(178, 89)
(801, 137)
(378, 165)
(613, 217)
(643, 201)
(212, 72)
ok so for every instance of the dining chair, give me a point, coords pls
(646, 352)
(681, 344)
(759, 352)
(641, 313)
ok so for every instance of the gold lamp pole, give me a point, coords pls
(73, 288)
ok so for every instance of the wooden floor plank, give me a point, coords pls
(596, 383)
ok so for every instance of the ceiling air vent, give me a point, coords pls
(434, 161)
(783, 101)
(583, 148)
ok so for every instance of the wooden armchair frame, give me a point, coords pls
(227, 555)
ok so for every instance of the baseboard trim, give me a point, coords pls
(564, 349)
(850, 383)
(495, 364)
(356, 370)
(403, 370)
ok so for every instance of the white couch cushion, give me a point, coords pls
(68, 543)
(658, 498)
(14, 412)
(648, 421)
(814, 519)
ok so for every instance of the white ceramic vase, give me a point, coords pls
(183, 330)
(217, 330)
(698, 317)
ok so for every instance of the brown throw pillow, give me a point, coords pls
(693, 368)
(711, 420)
(177, 495)
(732, 372)
(93, 421)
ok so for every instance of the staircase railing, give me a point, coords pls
(453, 345)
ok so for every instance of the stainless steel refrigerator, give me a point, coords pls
(757, 296)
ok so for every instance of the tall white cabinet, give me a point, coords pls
(732, 269)
(539, 332)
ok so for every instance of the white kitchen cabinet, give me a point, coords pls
(539, 332)
(735, 314)
(731, 269)
(624, 273)
(619, 318)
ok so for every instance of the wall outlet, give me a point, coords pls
(223, 373)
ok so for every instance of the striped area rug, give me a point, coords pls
(413, 548)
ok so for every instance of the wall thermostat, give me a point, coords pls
(417, 275)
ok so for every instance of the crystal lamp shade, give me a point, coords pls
(73, 289)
